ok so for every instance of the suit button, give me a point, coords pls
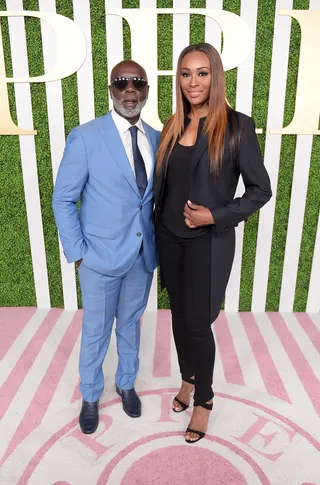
(138, 233)
(158, 208)
(141, 207)
(226, 229)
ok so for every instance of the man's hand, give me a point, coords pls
(77, 263)
(197, 215)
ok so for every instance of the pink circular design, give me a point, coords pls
(182, 464)
(104, 477)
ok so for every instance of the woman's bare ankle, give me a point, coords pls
(183, 395)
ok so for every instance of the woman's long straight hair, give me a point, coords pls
(216, 121)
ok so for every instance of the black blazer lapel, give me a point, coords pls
(200, 147)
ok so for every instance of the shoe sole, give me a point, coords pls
(130, 415)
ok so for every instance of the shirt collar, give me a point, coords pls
(123, 125)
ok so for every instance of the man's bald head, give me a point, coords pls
(126, 69)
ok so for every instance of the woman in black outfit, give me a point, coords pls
(204, 147)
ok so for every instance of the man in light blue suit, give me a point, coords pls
(108, 165)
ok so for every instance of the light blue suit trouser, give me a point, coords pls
(105, 298)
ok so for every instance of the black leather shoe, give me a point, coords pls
(130, 402)
(89, 417)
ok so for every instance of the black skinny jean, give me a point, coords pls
(186, 269)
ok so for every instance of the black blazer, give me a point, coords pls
(218, 194)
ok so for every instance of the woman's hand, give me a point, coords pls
(197, 215)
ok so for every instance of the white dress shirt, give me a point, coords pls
(123, 128)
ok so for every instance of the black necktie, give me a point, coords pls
(139, 166)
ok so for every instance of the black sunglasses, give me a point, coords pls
(120, 83)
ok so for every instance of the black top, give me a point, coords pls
(176, 192)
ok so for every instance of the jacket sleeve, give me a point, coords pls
(71, 179)
(256, 182)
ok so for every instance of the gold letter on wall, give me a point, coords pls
(71, 55)
(307, 108)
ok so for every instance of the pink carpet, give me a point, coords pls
(264, 428)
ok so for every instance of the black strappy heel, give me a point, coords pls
(201, 434)
(183, 405)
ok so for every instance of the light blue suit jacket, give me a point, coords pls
(113, 218)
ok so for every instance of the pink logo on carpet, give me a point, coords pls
(245, 442)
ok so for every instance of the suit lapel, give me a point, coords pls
(200, 147)
(113, 141)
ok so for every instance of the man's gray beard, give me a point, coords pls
(128, 112)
